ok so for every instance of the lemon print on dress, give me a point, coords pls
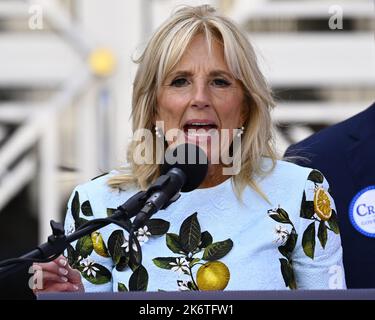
(213, 275)
(99, 245)
(322, 204)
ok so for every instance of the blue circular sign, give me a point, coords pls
(362, 211)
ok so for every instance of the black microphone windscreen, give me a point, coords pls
(191, 159)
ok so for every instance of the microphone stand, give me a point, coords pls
(165, 190)
(59, 241)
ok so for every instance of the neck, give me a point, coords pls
(214, 176)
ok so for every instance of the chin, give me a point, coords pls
(210, 144)
(212, 152)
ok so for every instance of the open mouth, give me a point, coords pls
(199, 127)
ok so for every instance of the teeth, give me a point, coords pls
(201, 124)
(196, 134)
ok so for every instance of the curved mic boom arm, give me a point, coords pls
(165, 190)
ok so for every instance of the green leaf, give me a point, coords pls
(84, 246)
(217, 250)
(284, 252)
(173, 243)
(287, 249)
(288, 274)
(79, 222)
(157, 227)
(75, 206)
(164, 263)
(72, 256)
(110, 211)
(283, 214)
(290, 244)
(139, 279)
(121, 287)
(190, 233)
(308, 240)
(123, 262)
(103, 275)
(333, 222)
(135, 261)
(206, 239)
(86, 209)
(307, 208)
(277, 218)
(315, 176)
(115, 241)
(322, 234)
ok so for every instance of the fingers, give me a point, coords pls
(53, 277)
(61, 268)
(58, 275)
(73, 275)
(53, 267)
(60, 287)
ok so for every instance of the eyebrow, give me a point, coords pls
(213, 73)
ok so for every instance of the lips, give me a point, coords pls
(199, 124)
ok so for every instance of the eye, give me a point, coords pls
(179, 82)
(221, 82)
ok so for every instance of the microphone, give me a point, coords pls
(184, 170)
(184, 173)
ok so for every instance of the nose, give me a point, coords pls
(201, 96)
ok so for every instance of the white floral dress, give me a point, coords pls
(208, 240)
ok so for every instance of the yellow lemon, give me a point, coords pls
(102, 62)
(322, 204)
(98, 244)
(213, 275)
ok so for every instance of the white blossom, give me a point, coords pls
(180, 266)
(89, 267)
(143, 234)
(183, 285)
(282, 234)
(126, 244)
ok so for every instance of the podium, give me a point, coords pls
(349, 294)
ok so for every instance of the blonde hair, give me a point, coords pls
(161, 55)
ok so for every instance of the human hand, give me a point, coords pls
(56, 276)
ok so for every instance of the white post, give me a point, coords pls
(116, 25)
(87, 134)
(48, 196)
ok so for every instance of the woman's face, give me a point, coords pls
(201, 94)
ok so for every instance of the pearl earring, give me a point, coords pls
(240, 131)
(158, 132)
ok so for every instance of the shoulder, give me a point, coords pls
(285, 171)
(97, 184)
(299, 184)
(100, 194)
(293, 173)
(304, 193)
(287, 182)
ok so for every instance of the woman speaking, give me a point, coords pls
(254, 223)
